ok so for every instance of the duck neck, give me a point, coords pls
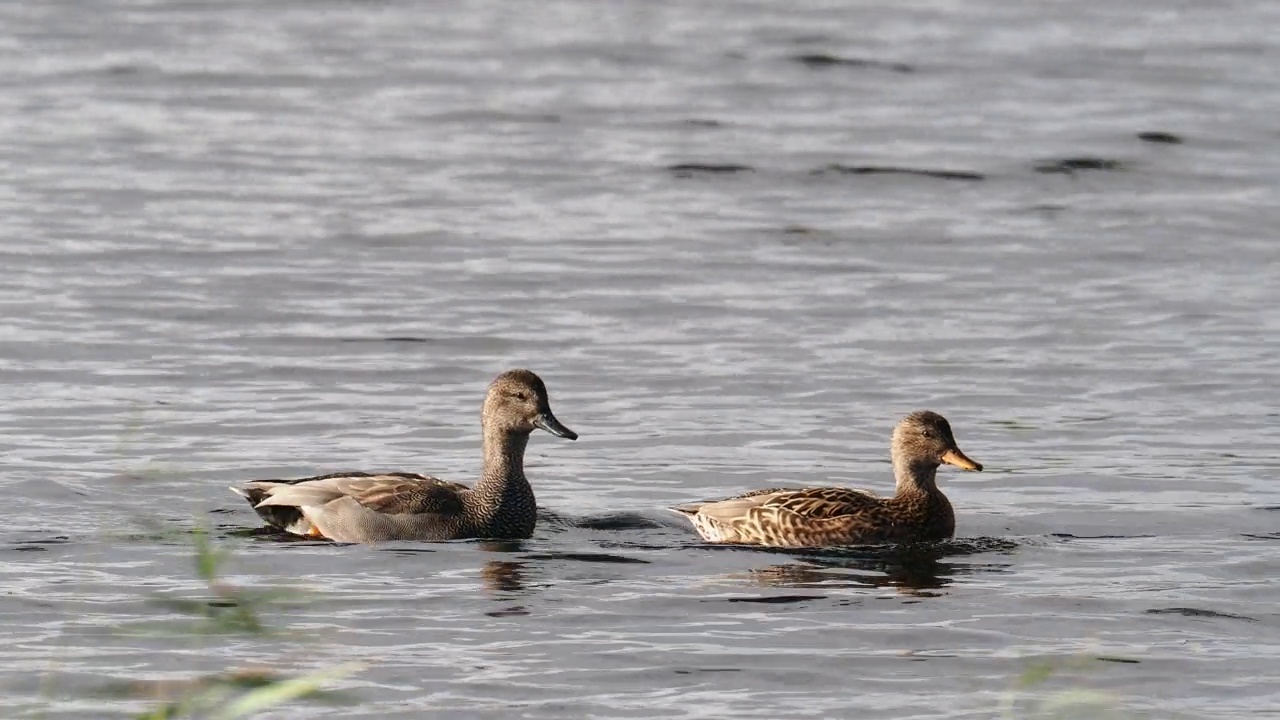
(502, 478)
(915, 475)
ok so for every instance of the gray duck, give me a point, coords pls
(371, 507)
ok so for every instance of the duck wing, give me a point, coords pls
(823, 503)
(353, 504)
(810, 503)
(786, 517)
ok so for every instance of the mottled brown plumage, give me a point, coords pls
(815, 517)
(371, 507)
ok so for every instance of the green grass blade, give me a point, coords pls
(284, 691)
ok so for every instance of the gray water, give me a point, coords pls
(245, 239)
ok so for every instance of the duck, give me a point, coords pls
(360, 507)
(833, 516)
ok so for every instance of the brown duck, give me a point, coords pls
(369, 507)
(814, 517)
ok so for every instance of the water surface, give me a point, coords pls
(738, 241)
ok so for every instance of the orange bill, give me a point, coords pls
(960, 460)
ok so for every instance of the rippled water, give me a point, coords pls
(738, 241)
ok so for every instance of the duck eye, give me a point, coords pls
(521, 396)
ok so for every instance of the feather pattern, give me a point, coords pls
(372, 507)
(824, 516)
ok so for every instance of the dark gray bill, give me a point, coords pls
(548, 422)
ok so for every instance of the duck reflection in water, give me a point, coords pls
(503, 580)
(914, 569)
(913, 573)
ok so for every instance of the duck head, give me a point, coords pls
(518, 402)
(924, 438)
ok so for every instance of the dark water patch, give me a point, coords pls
(839, 169)
(798, 230)
(1262, 536)
(310, 343)
(235, 530)
(126, 70)
(266, 533)
(232, 527)
(239, 531)
(696, 671)
(513, 611)
(1090, 418)
(701, 123)
(1049, 210)
(214, 608)
(1124, 661)
(823, 61)
(41, 545)
(1069, 537)
(606, 521)
(1198, 612)
(1072, 165)
(909, 567)
(618, 521)
(415, 547)
(499, 546)
(688, 170)
(943, 548)
(402, 551)
(392, 339)
(771, 599)
(1013, 425)
(801, 576)
(1163, 138)
(802, 235)
(587, 557)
